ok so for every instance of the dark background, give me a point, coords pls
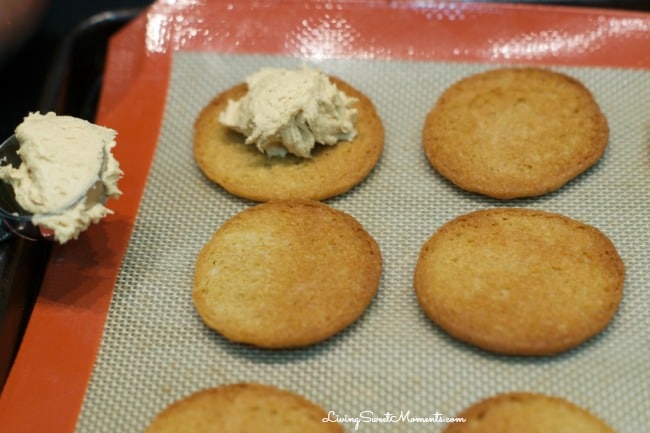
(24, 69)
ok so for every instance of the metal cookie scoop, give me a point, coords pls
(14, 220)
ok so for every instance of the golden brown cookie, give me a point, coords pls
(514, 132)
(523, 412)
(243, 408)
(286, 274)
(246, 172)
(519, 281)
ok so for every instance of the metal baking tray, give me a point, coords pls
(137, 87)
(72, 87)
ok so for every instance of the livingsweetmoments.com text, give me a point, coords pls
(370, 417)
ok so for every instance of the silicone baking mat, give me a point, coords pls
(156, 349)
(125, 286)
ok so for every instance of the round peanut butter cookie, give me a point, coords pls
(523, 412)
(243, 408)
(519, 281)
(514, 132)
(244, 171)
(286, 274)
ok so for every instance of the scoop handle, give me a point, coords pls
(18, 226)
(5, 233)
(13, 221)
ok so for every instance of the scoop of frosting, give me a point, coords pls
(66, 172)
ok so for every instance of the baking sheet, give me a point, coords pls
(393, 359)
(156, 349)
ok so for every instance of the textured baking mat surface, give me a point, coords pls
(156, 349)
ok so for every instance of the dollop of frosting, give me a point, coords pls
(289, 111)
